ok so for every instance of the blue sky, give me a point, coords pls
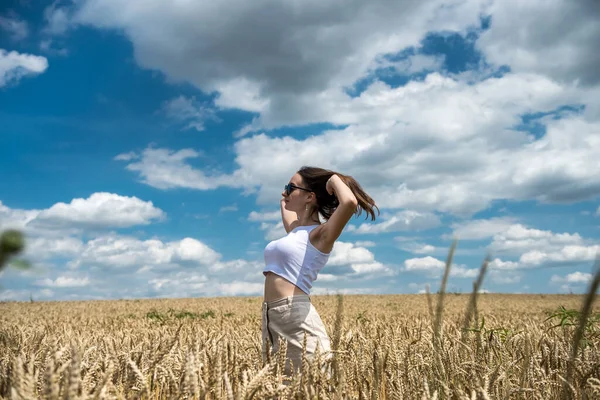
(143, 149)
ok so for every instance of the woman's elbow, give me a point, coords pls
(350, 202)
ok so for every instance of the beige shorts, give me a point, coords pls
(290, 318)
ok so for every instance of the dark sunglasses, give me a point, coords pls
(289, 188)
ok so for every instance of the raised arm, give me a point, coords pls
(332, 229)
(289, 218)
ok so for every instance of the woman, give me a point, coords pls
(293, 262)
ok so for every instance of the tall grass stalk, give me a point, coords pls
(472, 307)
(439, 311)
(585, 313)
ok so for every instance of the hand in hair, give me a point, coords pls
(328, 186)
(333, 189)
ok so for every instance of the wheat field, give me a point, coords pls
(386, 347)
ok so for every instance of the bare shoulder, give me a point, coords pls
(317, 237)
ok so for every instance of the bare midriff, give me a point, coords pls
(277, 288)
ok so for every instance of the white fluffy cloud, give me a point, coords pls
(282, 60)
(122, 252)
(165, 169)
(188, 267)
(42, 248)
(415, 247)
(100, 210)
(14, 66)
(374, 269)
(187, 285)
(498, 264)
(64, 282)
(519, 238)
(535, 248)
(436, 145)
(406, 220)
(575, 281)
(564, 255)
(118, 266)
(572, 278)
(14, 218)
(272, 57)
(442, 144)
(241, 93)
(557, 38)
(55, 232)
(478, 229)
(345, 253)
(434, 267)
(213, 280)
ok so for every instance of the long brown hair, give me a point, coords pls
(316, 178)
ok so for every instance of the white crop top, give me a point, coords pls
(295, 259)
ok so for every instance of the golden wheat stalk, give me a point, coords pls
(585, 313)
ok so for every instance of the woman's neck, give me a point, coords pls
(312, 219)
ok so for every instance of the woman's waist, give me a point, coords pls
(286, 301)
(278, 287)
